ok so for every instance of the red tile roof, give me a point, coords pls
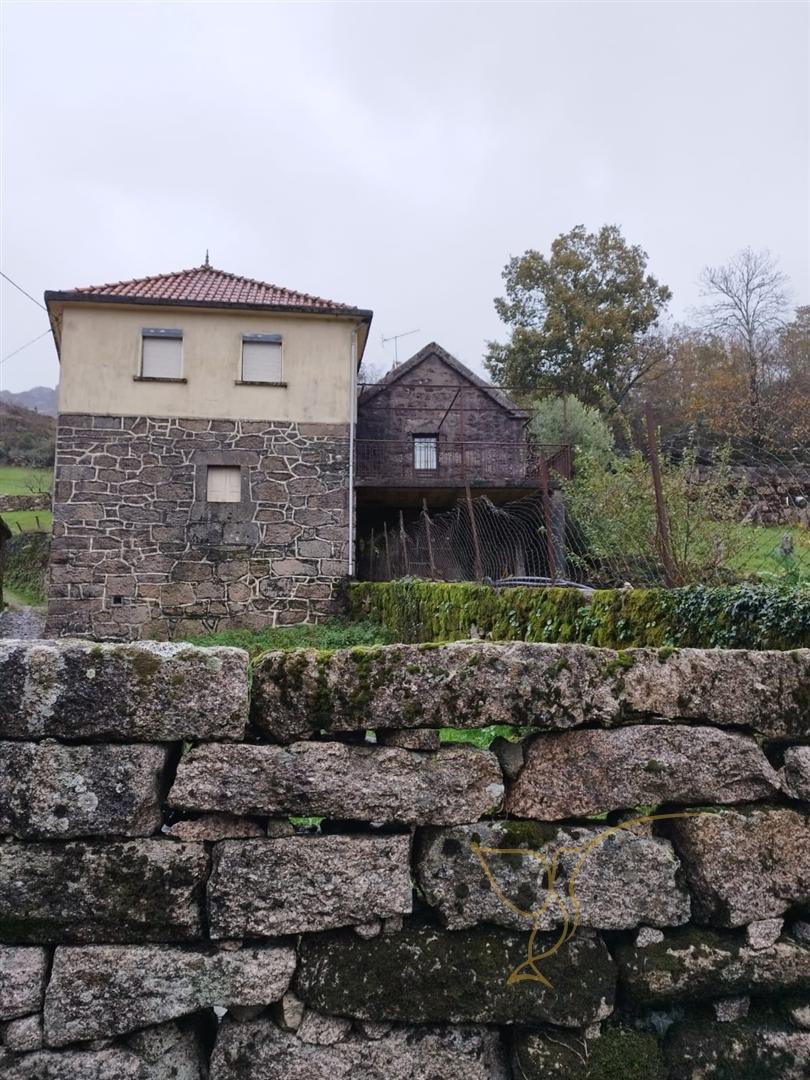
(207, 286)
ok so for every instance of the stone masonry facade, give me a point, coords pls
(621, 889)
(138, 551)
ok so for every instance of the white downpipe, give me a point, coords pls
(352, 425)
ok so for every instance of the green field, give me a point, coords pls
(15, 480)
(757, 550)
(28, 520)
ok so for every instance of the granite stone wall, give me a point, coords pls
(139, 552)
(287, 874)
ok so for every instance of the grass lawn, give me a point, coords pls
(335, 634)
(18, 480)
(28, 520)
(757, 551)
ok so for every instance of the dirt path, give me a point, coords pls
(19, 620)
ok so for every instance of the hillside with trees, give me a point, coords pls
(26, 437)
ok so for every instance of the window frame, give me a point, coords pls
(432, 444)
(261, 339)
(231, 469)
(162, 334)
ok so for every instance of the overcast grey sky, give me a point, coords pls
(393, 155)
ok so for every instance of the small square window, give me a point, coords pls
(261, 358)
(162, 354)
(426, 452)
(224, 484)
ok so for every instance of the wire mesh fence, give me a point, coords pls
(722, 511)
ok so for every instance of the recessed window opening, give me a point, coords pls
(224, 484)
(161, 354)
(425, 452)
(261, 358)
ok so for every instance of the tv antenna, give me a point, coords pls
(395, 338)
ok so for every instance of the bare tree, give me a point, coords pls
(748, 305)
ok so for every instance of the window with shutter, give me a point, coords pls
(224, 483)
(162, 354)
(261, 358)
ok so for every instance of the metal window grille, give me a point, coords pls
(426, 452)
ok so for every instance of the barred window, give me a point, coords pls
(426, 452)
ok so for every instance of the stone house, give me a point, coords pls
(204, 458)
(432, 429)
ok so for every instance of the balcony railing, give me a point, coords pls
(394, 461)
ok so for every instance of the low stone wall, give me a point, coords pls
(12, 503)
(201, 881)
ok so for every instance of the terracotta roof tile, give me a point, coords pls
(206, 285)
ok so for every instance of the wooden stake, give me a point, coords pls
(429, 539)
(548, 518)
(479, 572)
(663, 535)
(403, 544)
(387, 552)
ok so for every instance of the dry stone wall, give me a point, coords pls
(285, 874)
(138, 551)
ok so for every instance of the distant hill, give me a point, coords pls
(41, 399)
(26, 437)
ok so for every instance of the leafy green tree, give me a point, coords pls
(556, 421)
(580, 319)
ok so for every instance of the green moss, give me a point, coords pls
(145, 664)
(621, 662)
(739, 616)
(528, 834)
(620, 1054)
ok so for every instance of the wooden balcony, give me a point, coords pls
(383, 462)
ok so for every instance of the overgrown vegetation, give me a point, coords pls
(334, 634)
(612, 506)
(25, 564)
(735, 616)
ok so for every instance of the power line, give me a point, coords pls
(25, 346)
(19, 288)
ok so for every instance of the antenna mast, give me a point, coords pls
(395, 338)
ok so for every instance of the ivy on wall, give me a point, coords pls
(734, 616)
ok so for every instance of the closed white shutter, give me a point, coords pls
(261, 361)
(224, 483)
(162, 358)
